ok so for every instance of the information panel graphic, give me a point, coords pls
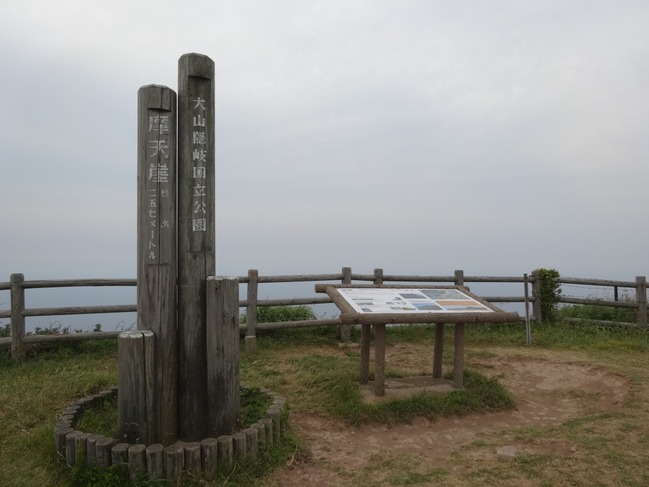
(409, 300)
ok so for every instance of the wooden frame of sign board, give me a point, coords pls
(375, 306)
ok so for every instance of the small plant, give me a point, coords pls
(54, 328)
(548, 292)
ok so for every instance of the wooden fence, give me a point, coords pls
(18, 312)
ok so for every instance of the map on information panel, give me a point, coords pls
(410, 300)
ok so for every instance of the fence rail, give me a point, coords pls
(17, 313)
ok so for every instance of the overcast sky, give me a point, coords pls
(418, 136)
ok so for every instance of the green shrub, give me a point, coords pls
(548, 292)
(271, 314)
(274, 314)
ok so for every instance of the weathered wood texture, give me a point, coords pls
(206, 458)
(223, 393)
(379, 360)
(81, 310)
(225, 458)
(174, 460)
(66, 338)
(346, 330)
(251, 302)
(282, 325)
(252, 443)
(193, 457)
(104, 448)
(458, 356)
(300, 278)
(239, 446)
(528, 328)
(155, 461)
(641, 299)
(137, 461)
(438, 351)
(268, 428)
(91, 450)
(17, 317)
(119, 457)
(135, 376)
(209, 453)
(267, 303)
(156, 248)
(57, 283)
(459, 329)
(251, 311)
(196, 235)
(366, 340)
(356, 277)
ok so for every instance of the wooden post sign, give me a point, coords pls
(156, 274)
(188, 366)
(196, 233)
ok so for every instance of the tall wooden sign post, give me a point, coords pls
(196, 233)
(156, 273)
(179, 373)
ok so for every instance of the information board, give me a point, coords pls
(410, 300)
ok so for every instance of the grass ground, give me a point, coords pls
(315, 373)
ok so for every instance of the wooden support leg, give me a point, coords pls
(365, 353)
(379, 360)
(438, 350)
(458, 365)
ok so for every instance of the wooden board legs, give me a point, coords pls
(438, 350)
(458, 361)
(379, 360)
(365, 353)
(379, 357)
(438, 353)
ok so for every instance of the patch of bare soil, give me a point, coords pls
(548, 391)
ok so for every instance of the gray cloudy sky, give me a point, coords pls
(419, 136)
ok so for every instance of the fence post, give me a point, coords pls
(17, 317)
(536, 298)
(458, 353)
(251, 311)
(346, 330)
(641, 299)
(528, 329)
(459, 277)
(378, 276)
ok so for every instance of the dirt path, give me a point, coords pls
(548, 391)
